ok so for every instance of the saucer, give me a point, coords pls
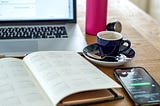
(92, 53)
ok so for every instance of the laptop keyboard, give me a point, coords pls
(33, 32)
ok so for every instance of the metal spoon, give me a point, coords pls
(106, 57)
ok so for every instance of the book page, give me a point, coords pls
(64, 73)
(16, 85)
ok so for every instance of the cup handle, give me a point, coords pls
(126, 47)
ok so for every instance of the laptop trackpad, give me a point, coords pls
(18, 47)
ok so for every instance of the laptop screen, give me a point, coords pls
(37, 10)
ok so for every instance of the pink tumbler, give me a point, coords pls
(96, 16)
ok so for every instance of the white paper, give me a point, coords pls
(64, 73)
(16, 85)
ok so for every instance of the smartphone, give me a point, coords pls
(139, 84)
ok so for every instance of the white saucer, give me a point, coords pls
(122, 59)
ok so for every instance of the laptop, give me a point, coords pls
(39, 25)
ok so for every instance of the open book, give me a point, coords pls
(51, 78)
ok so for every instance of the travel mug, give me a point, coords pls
(96, 16)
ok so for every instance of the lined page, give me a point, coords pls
(64, 73)
(16, 85)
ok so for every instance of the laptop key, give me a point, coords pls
(33, 32)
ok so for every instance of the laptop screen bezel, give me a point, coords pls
(41, 22)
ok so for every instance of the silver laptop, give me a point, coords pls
(39, 25)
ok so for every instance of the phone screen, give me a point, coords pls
(142, 88)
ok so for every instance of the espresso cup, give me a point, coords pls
(110, 43)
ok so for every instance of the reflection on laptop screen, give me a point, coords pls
(21, 10)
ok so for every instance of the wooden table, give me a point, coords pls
(137, 26)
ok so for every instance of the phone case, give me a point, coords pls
(138, 84)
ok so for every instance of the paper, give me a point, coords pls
(64, 73)
(17, 87)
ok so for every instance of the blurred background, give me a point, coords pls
(149, 6)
